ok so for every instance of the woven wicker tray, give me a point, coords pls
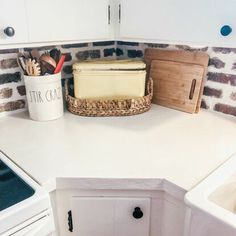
(124, 107)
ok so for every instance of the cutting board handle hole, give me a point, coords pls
(193, 85)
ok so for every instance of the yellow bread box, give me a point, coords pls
(115, 79)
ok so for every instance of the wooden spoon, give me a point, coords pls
(49, 60)
(46, 68)
(21, 62)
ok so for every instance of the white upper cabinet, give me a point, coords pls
(63, 20)
(13, 24)
(178, 21)
(35, 22)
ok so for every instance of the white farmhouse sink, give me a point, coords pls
(225, 195)
(216, 195)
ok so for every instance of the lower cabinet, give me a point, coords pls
(118, 213)
(107, 216)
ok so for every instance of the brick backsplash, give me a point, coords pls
(12, 89)
(220, 88)
(219, 92)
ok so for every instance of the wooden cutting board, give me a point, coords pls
(176, 84)
(195, 58)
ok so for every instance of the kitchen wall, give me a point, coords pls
(220, 88)
(12, 89)
(219, 92)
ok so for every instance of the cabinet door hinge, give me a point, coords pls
(109, 14)
(70, 221)
(119, 13)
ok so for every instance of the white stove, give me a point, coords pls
(25, 207)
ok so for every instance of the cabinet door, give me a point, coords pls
(12, 14)
(62, 20)
(106, 216)
(177, 21)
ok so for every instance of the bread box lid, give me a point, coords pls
(109, 65)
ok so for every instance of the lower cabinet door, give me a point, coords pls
(110, 216)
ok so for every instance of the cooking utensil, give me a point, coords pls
(32, 67)
(60, 64)
(176, 85)
(46, 68)
(55, 54)
(34, 54)
(198, 58)
(49, 60)
(21, 62)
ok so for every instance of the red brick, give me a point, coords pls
(224, 50)
(233, 80)
(234, 66)
(68, 56)
(212, 92)
(216, 62)
(6, 51)
(11, 106)
(21, 90)
(10, 77)
(8, 63)
(5, 93)
(204, 104)
(222, 78)
(67, 69)
(192, 49)
(219, 77)
(230, 110)
(233, 96)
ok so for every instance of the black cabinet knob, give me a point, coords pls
(9, 31)
(137, 213)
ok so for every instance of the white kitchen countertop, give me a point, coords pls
(160, 144)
